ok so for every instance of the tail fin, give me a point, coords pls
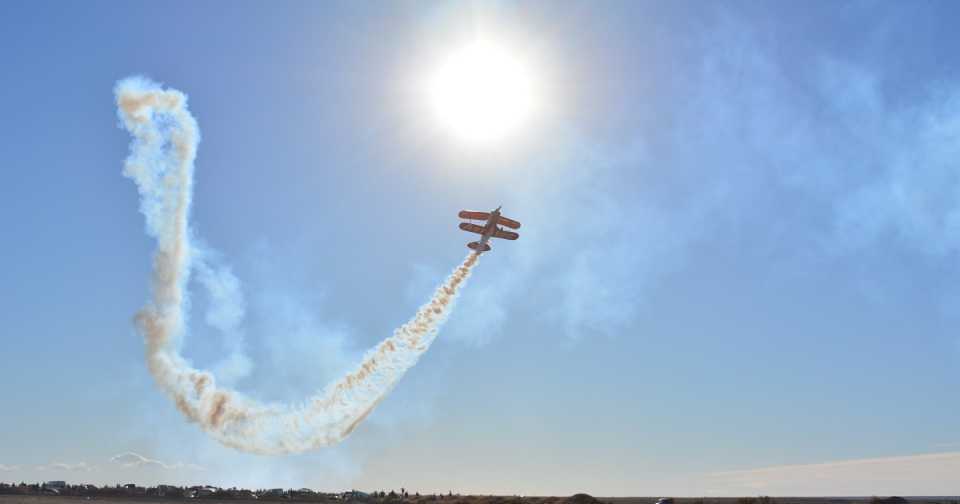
(479, 247)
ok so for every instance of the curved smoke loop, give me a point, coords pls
(162, 152)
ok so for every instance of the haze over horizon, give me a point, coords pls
(737, 274)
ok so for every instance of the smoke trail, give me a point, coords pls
(162, 152)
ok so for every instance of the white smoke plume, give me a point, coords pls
(162, 152)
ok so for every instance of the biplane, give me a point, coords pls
(490, 229)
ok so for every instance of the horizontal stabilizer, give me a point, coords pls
(510, 223)
(506, 235)
(473, 228)
(479, 247)
(467, 214)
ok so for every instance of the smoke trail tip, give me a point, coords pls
(136, 83)
(138, 97)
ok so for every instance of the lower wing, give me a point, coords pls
(473, 228)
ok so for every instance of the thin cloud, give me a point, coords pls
(933, 473)
(62, 466)
(132, 460)
(8, 468)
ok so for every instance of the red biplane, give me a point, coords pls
(491, 228)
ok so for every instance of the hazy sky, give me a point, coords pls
(737, 272)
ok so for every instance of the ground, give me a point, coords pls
(476, 499)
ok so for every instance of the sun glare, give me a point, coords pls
(482, 93)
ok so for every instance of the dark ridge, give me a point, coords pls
(582, 498)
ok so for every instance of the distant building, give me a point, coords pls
(241, 493)
(272, 494)
(206, 491)
(169, 491)
(356, 495)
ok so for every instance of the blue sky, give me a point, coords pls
(737, 272)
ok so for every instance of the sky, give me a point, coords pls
(737, 272)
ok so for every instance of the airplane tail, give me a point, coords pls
(479, 247)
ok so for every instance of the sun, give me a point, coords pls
(482, 93)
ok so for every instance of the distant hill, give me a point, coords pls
(582, 498)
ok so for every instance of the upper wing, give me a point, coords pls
(473, 228)
(506, 235)
(467, 214)
(510, 223)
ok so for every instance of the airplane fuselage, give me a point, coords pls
(490, 227)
